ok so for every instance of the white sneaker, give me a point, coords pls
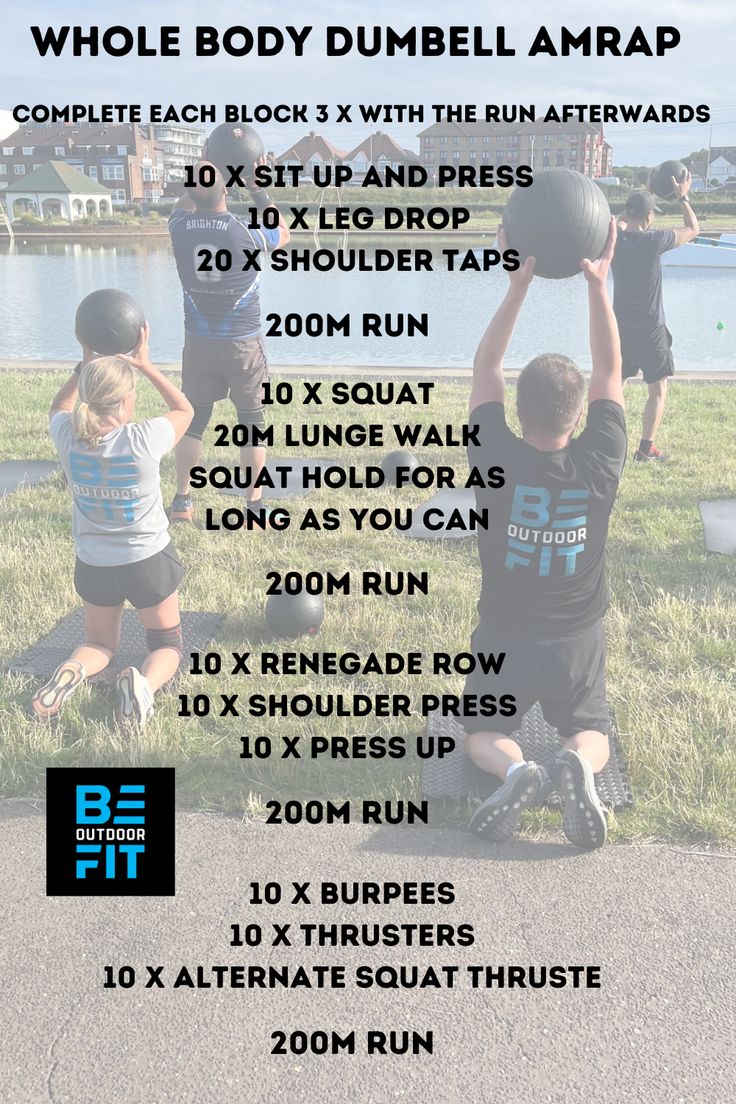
(135, 699)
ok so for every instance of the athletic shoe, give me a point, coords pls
(583, 816)
(653, 454)
(135, 699)
(497, 817)
(181, 509)
(47, 702)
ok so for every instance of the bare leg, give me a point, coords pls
(102, 631)
(654, 409)
(188, 454)
(591, 745)
(493, 752)
(163, 663)
(255, 459)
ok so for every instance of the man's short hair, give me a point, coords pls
(208, 198)
(549, 395)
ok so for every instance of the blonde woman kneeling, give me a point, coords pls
(120, 528)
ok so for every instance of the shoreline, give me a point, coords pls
(338, 371)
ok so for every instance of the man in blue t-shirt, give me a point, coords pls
(218, 257)
(646, 343)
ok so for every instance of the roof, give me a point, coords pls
(379, 143)
(116, 134)
(55, 177)
(310, 144)
(483, 129)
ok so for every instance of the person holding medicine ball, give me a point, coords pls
(224, 353)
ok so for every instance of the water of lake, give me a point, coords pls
(41, 284)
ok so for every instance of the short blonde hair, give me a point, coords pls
(104, 384)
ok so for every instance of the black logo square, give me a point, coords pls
(110, 831)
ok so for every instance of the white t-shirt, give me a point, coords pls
(118, 514)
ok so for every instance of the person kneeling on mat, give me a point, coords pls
(544, 590)
(121, 538)
(224, 353)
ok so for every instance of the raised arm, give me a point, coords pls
(488, 378)
(181, 411)
(262, 201)
(606, 381)
(691, 227)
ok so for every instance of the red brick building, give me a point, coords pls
(124, 158)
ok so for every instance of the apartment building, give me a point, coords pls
(579, 146)
(124, 158)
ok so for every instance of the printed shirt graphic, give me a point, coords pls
(118, 515)
(637, 277)
(543, 555)
(218, 304)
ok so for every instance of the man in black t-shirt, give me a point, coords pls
(646, 343)
(544, 589)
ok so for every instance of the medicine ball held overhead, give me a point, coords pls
(234, 144)
(400, 458)
(109, 321)
(559, 219)
(291, 615)
(661, 179)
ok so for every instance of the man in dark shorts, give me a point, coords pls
(224, 353)
(544, 591)
(646, 343)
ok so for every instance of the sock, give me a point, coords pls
(515, 767)
(645, 445)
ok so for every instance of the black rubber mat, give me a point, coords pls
(293, 478)
(455, 777)
(719, 522)
(462, 499)
(25, 473)
(42, 658)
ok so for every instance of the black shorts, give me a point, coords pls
(566, 676)
(143, 584)
(648, 352)
(218, 368)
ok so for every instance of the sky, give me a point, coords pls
(698, 71)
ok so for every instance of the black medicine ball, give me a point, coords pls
(109, 321)
(661, 179)
(400, 458)
(559, 219)
(234, 144)
(291, 615)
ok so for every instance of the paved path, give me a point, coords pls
(658, 922)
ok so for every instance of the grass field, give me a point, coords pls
(672, 625)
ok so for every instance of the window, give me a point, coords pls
(3, 170)
(471, 155)
(456, 155)
(471, 140)
(548, 138)
(456, 141)
(34, 167)
(118, 195)
(92, 172)
(59, 151)
(573, 155)
(113, 172)
(428, 155)
(443, 156)
(123, 151)
(28, 151)
(443, 140)
(428, 141)
(499, 139)
(8, 151)
(560, 159)
(19, 170)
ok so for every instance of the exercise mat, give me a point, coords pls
(719, 522)
(294, 480)
(455, 777)
(43, 657)
(24, 473)
(459, 499)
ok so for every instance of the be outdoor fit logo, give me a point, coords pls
(540, 534)
(110, 831)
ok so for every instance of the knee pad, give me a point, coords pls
(251, 417)
(199, 422)
(165, 638)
